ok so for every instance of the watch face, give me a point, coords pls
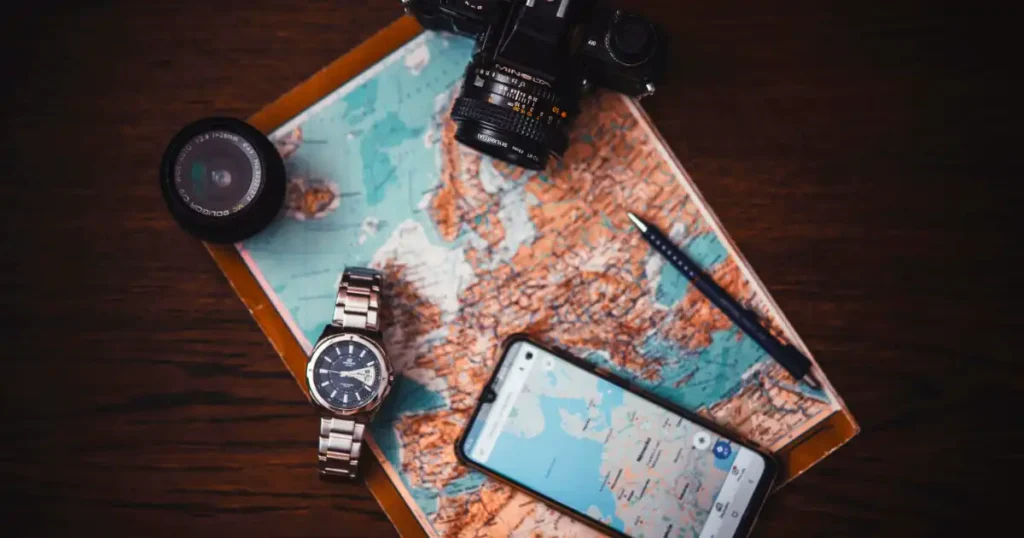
(347, 374)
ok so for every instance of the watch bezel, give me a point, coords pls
(383, 386)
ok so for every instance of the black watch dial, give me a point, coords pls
(347, 374)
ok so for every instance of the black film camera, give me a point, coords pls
(534, 60)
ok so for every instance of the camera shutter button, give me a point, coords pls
(631, 39)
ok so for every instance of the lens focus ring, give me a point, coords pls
(505, 120)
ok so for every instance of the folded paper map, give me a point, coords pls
(474, 250)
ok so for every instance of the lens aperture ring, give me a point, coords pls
(545, 104)
(507, 120)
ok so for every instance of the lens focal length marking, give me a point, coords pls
(513, 115)
(218, 173)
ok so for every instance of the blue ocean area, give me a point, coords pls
(370, 143)
(425, 498)
(361, 102)
(706, 250)
(575, 477)
(672, 286)
(469, 482)
(716, 370)
(380, 169)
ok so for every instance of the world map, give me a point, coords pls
(475, 250)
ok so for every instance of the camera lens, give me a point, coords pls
(511, 115)
(222, 180)
(529, 355)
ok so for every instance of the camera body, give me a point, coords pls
(533, 62)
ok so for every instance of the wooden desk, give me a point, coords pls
(854, 153)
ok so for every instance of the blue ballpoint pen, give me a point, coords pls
(795, 362)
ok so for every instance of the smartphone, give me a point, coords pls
(626, 463)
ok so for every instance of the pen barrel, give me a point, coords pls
(788, 356)
(680, 261)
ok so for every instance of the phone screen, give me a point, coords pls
(611, 456)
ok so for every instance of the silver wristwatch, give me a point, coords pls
(349, 373)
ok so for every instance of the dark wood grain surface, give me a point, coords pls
(859, 154)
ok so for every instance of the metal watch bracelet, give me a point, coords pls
(357, 307)
(341, 440)
(358, 302)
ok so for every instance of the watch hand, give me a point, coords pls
(364, 375)
(356, 373)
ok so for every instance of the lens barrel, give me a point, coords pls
(512, 116)
(222, 180)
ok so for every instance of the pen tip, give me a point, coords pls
(637, 222)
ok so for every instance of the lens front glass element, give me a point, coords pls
(218, 173)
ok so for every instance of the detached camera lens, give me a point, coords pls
(222, 179)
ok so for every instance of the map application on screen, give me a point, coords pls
(605, 453)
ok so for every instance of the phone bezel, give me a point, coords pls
(757, 499)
